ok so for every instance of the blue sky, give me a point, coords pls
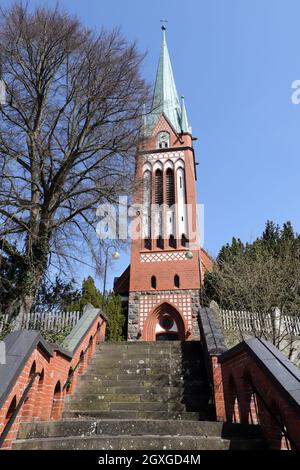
(234, 60)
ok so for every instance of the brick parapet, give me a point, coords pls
(261, 386)
(52, 367)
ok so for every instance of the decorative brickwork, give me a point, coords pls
(163, 157)
(165, 256)
(142, 304)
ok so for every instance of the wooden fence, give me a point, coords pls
(251, 322)
(47, 321)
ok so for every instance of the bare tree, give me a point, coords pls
(68, 135)
(258, 286)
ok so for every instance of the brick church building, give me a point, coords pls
(160, 288)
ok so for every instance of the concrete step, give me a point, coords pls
(115, 427)
(131, 381)
(146, 362)
(131, 442)
(117, 369)
(147, 415)
(192, 400)
(135, 353)
(99, 404)
(118, 388)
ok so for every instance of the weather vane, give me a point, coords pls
(163, 24)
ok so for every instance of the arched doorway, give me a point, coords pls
(164, 324)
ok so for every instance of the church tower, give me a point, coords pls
(167, 265)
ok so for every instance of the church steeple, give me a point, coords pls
(165, 97)
(165, 268)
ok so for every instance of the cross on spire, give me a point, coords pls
(164, 24)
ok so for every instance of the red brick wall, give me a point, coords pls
(41, 403)
(243, 405)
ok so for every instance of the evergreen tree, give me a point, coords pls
(116, 319)
(89, 295)
(112, 308)
(259, 275)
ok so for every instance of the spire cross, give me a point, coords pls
(164, 24)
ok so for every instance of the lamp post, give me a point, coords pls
(189, 255)
(2, 86)
(115, 256)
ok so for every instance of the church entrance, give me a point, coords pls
(167, 337)
(164, 324)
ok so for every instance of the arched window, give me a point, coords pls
(158, 187)
(176, 281)
(253, 416)
(32, 371)
(147, 209)
(81, 363)
(170, 192)
(163, 140)
(184, 240)
(147, 188)
(69, 379)
(90, 349)
(160, 242)
(153, 282)
(172, 241)
(56, 402)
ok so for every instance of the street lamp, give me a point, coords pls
(2, 92)
(115, 256)
(189, 255)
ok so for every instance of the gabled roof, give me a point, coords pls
(121, 284)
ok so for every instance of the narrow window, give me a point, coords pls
(170, 187)
(147, 243)
(172, 241)
(176, 280)
(184, 240)
(160, 242)
(153, 282)
(158, 187)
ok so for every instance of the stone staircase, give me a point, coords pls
(148, 396)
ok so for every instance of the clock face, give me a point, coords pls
(164, 136)
(163, 139)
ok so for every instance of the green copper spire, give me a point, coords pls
(185, 127)
(165, 98)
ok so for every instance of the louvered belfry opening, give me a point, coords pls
(170, 189)
(159, 199)
(159, 187)
(147, 210)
